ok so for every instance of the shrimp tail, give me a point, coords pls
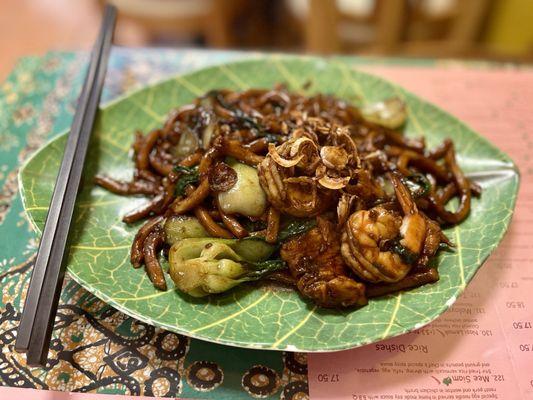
(403, 194)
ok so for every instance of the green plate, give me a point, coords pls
(261, 316)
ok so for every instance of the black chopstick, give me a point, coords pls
(40, 307)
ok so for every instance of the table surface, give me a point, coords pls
(97, 349)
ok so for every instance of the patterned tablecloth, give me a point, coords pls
(96, 348)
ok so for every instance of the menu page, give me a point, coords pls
(482, 347)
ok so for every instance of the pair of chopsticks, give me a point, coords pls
(36, 324)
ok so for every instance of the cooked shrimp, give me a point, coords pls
(370, 236)
(434, 237)
(315, 262)
(282, 175)
(414, 228)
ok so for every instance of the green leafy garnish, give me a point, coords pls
(445, 247)
(252, 226)
(189, 175)
(406, 255)
(261, 268)
(244, 119)
(295, 228)
(247, 121)
(418, 185)
(270, 137)
(185, 170)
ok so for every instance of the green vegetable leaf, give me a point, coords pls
(418, 185)
(252, 226)
(270, 137)
(296, 227)
(292, 228)
(262, 268)
(189, 176)
(406, 255)
(186, 170)
(445, 247)
(244, 119)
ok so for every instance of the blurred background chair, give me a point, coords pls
(203, 22)
(426, 28)
(409, 27)
(496, 29)
(206, 23)
(493, 29)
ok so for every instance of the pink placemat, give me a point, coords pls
(482, 348)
